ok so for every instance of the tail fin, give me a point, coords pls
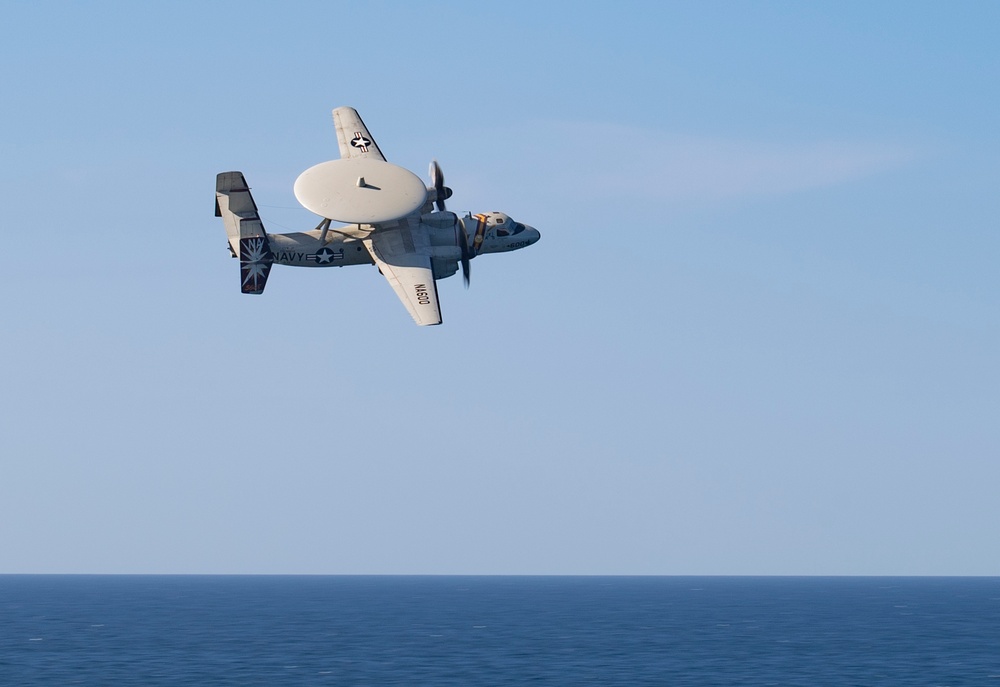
(255, 256)
(247, 238)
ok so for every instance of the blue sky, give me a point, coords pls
(759, 334)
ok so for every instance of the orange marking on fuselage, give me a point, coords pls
(477, 240)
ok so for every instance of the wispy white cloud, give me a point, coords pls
(712, 169)
(611, 161)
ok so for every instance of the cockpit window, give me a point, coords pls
(512, 228)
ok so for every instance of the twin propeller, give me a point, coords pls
(443, 194)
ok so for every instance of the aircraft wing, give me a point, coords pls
(404, 258)
(353, 136)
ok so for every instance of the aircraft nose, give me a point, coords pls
(533, 235)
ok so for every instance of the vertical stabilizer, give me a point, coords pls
(247, 238)
(255, 256)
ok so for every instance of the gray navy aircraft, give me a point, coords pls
(391, 220)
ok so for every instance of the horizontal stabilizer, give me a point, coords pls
(234, 187)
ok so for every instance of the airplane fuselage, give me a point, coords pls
(345, 246)
(307, 249)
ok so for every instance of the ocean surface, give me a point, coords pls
(248, 630)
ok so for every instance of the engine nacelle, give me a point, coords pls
(443, 228)
(446, 251)
(443, 267)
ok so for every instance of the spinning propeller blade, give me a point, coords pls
(463, 243)
(442, 194)
(437, 181)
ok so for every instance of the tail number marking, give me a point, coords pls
(423, 295)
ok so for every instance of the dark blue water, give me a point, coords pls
(108, 630)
